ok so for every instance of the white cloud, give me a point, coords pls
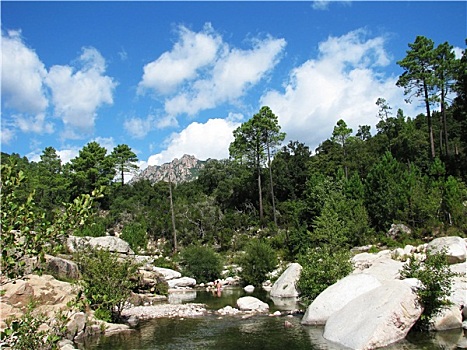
(192, 52)
(7, 135)
(458, 52)
(344, 82)
(139, 127)
(320, 4)
(202, 71)
(232, 74)
(77, 94)
(22, 76)
(208, 140)
(107, 142)
(36, 124)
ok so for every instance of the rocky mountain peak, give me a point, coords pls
(178, 170)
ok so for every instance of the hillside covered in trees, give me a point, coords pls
(348, 192)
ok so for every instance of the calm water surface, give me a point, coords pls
(233, 332)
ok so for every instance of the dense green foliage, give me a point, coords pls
(201, 263)
(436, 279)
(107, 281)
(26, 234)
(258, 260)
(135, 234)
(322, 267)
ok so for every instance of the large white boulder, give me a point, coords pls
(182, 282)
(336, 296)
(384, 269)
(112, 243)
(456, 250)
(284, 287)
(252, 304)
(375, 319)
(168, 274)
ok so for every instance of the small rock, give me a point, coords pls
(249, 289)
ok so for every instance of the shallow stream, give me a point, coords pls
(235, 332)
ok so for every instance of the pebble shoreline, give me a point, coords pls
(165, 310)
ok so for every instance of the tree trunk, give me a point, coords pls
(445, 126)
(430, 124)
(272, 187)
(173, 217)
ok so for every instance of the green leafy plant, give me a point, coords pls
(259, 259)
(201, 263)
(135, 234)
(436, 278)
(322, 267)
(25, 233)
(107, 281)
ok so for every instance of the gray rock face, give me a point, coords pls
(375, 319)
(284, 287)
(456, 248)
(113, 244)
(252, 304)
(338, 295)
(62, 268)
(179, 170)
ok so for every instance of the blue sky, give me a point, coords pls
(172, 78)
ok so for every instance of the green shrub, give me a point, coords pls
(135, 235)
(436, 278)
(322, 267)
(259, 259)
(201, 263)
(96, 229)
(107, 281)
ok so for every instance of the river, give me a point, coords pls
(235, 332)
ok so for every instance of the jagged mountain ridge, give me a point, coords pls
(180, 170)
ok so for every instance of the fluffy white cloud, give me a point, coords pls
(22, 76)
(7, 135)
(203, 140)
(207, 72)
(344, 82)
(140, 127)
(77, 94)
(192, 52)
(36, 124)
(232, 74)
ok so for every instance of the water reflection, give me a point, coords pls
(258, 332)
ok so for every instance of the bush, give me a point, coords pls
(259, 259)
(201, 263)
(135, 235)
(322, 267)
(96, 229)
(436, 278)
(107, 282)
